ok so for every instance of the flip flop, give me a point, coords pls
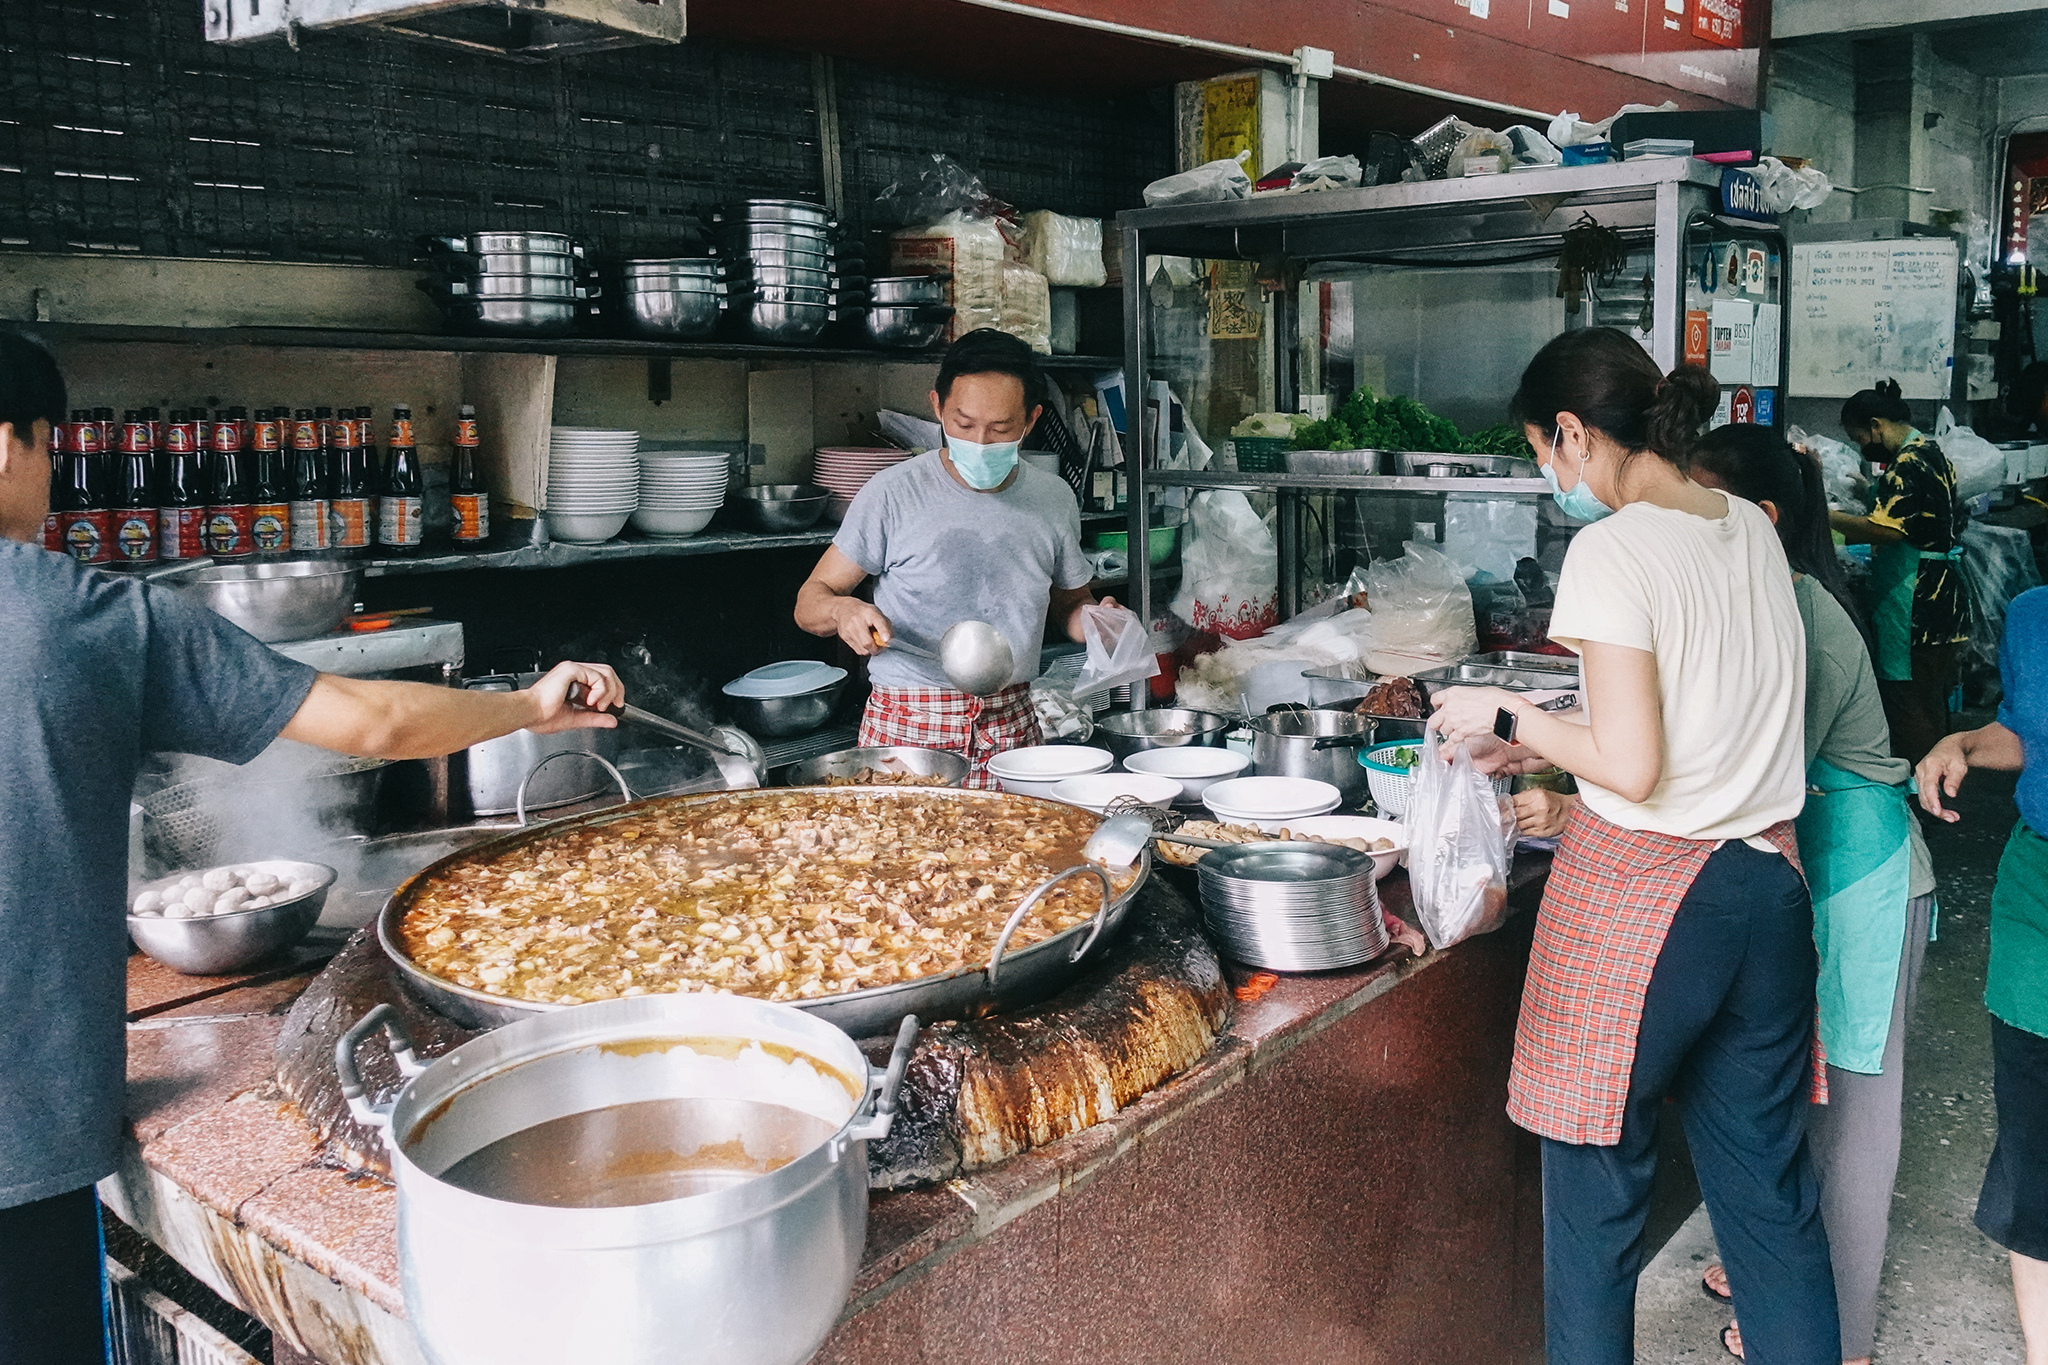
(1709, 1291)
(1731, 1330)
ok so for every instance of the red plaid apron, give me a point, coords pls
(977, 728)
(1610, 902)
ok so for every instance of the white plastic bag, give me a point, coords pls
(1461, 842)
(1532, 148)
(1119, 649)
(1421, 612)
(1786, 189)
(1230, 567)
(1841, 470)
(1329, 173)
(1568, 130)
(1998, 565)
(1067, 251)
(1980, 465)
(1211, 183)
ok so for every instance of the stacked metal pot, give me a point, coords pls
(784, 262)
(679, 297)
(535, 283)
(908, 312)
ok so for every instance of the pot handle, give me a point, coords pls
(1037, 894)
(876, 1126)
(519, 802)
(1343, 742)
(367, 1114)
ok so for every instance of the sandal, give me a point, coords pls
(1707, 1288)
(1731, 1340)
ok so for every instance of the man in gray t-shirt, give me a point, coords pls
(964, 533)
(99, 669)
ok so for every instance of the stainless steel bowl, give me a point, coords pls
(791, 293)
(675, 312)
(525, 263)
(908, 326)
(782, 257)
(1124, 733)
(787, 324)
(909, 288)
(744, 239)
(812, 772)
(674, 265)
(208, 945)
(780, 508)
(499, 243)
(779, 716)
(292, 599)
(530, 317)
(791, 277)
(516, 286)
(778, 211)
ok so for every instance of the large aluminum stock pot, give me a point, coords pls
(708, 1208)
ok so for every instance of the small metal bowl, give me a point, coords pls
(780, 508)
(1124, 733)
(812, 772)
(210, 945)
(776, 717)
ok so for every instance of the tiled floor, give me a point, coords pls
(1947, 1294)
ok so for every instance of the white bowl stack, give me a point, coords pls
(680, 492)
(1269, 802)
(593, 482)
(846, 470)
(1038, 768)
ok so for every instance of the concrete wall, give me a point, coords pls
(1811, 100)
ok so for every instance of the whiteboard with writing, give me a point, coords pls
(1865, 311)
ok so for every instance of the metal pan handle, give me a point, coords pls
(519, 802)
(1038, 892)
(1343, 741)
(368, 1114)
(876, 1126)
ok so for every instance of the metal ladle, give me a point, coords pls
(973, 655)
(739, 757)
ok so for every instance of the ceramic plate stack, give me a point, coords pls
(680, 493)
(1292, 907)
(593, 482)
(846, 470)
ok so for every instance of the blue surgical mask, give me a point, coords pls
(1579, 500)
(983, 466)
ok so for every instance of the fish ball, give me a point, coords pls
(178, 910)
(231, 900)
(218, 880)
(148, 903)
(263, 883)
(196, 897)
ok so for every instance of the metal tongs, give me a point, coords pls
(739, 757)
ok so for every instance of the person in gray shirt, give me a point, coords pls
(963, 533)
(100, 669)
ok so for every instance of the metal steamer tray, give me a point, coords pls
(1011, 980)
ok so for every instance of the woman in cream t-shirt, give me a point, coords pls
(1674, 952)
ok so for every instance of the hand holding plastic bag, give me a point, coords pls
(1119, 649)
(1461, 841)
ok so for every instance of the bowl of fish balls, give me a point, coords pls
(214, 921)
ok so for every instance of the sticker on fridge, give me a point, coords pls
(1764, 344)
(1733, 326)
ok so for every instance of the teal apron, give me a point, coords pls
(1894, 574)
(1854, 844)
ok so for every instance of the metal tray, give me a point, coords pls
(1515, 658)
(1479, 675)
(1026, 976)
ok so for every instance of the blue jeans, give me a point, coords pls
(52, 1304)
(1727, 1032)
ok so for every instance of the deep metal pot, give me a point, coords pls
(1010, 980)
(1124, 733)
(517, 286)
(752, 1270)
(790, 257)
(293, 599)
(789, 324)
(675, 312)
(498, 766)
(903, 289)
(907, 326)
(852, 762)
(1284, 745)
(791, 277)
(525, 263)
(530, 317)
(776, 211)
(777, 717)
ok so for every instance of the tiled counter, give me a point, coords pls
(1335, 1182)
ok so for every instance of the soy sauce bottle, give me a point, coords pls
(308, 485)
(83, 519)
(401, 489)
(181, 489)
(348, 516)
(134, 517)
(230, 494)
(466, 495)
(270, 526)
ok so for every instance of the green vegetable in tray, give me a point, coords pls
(1500, 440)
(1365, 421)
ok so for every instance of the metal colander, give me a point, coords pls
(212, 820)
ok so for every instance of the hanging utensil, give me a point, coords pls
(974, 656)
(740, 759)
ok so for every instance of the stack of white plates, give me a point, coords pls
(1293, 907)
(593, 482)
(680, 493)
(846, 470)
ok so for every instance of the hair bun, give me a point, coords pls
(1685, 398)
(1888, 388)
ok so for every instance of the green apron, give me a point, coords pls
(1894, 574)
(2016, 986)
(1854, 844)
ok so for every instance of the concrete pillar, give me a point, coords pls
(1894, 87)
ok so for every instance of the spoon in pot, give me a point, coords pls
(973, 655)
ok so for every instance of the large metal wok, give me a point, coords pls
(1011, 980)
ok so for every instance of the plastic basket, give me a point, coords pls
(1391, 786)
(1262, 454)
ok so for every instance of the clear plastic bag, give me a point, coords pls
(942, 186)
(1786, 189)
(1841, 470)
(1329, 173)
(1980, 465)
(1421, 612)
(1230, 567)
(1212, 183)
(1119, 649)
(1998, 565)
(1067, 251)
(1461, 843)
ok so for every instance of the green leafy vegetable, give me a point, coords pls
(1365, 421)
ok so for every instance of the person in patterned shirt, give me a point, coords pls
(1920, 609)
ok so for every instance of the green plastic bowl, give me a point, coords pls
(1159, 542)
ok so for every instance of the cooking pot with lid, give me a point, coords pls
(668, 1179)
(498, 766)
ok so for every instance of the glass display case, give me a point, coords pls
(1438, 292)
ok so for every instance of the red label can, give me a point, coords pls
(136, 537)
(230, 530)
(89, 536)
(181, 533)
